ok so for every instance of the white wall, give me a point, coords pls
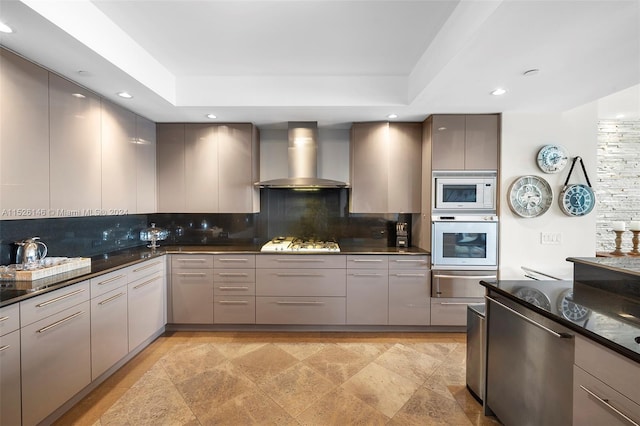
(333, 154)
(520, 243)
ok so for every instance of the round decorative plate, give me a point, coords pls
(530, 196)
(569, 309)
(577, 200)
(552, 158)
(534, 296)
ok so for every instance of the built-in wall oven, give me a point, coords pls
(464, 251)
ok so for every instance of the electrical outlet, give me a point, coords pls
(554, 238)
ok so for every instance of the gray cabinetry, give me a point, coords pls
(10, 365)
(146, 165)
(76, 153)
(55, 350)
(234, 278)
(605, 386)
(409, 290)
(367, 289)
(386, 167)
(192, 289)
(24, 136)
(300, 289)
(146, 301)
(465, 142)
(109, 325)
(208, 168)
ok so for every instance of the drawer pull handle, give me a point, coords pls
(233, 274)
(609, 406)
(530, 321)
(409, 275)
(4, 319)
(281, 302)
(367, 260)
(233, 260)
(146, 283)
(59, 298)
(298, 274)
(192, 260)
(142, 268)
(111, 280)
(192, 274)
(300, 260)
(410, 261)
(62, 321)
(104, 302)
(234, 302)
(4, 348)
(458, 303)
(238, 287)
(366, 275)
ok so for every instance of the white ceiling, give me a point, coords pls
(333, 61)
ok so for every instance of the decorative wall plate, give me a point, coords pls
(552, 158)
(530, 196)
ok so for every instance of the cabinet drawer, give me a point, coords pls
(613, 369)
(191, 261)
(234, 309)
(40, 307)
(409, 262)
(186, 276)
(109, 340)
(300, 310)
(147, 268)
(9, 318)
(409, 296)
(451, 311)
(300, 261)
(234, 261)
(234, 275)
(367, 296)
(301, 282)
(239, 288)
(367, 262)
(10, 379)
(107, 282)
(595, 403)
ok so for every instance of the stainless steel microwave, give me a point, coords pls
(464, 192)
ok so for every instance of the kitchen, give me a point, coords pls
(574, 128)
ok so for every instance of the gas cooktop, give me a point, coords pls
(279, 244)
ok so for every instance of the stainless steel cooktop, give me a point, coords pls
(293, 244)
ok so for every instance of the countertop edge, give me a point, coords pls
(564, 322)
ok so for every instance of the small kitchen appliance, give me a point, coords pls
(30, 252)
(464, 192)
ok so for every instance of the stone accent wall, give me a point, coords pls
(618, 181)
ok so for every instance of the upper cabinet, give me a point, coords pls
(76, 156)
(119, 162)
(386, 167)
(24, 138)
(208, 168)
(465, 142)
(146, 165)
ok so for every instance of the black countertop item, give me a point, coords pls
(603, 316)
(15, 291)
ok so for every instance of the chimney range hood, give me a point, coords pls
(303, 160)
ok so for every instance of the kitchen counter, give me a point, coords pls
(606, 317)
(16, 291)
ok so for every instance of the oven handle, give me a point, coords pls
(466, 277)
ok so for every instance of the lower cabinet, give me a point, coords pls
(56, 360)
(605, 386)
(234, 290)
(192, 296)
(409, 290)
(300, 310)
(367, 290)
(451, 311)
(109, 330)
(146, 305)
(10, 378)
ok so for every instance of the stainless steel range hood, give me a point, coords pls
(303, 160)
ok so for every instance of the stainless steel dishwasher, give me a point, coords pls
(529, 366)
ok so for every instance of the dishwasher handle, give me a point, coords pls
(532, 322)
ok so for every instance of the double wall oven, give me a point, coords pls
(464, 248)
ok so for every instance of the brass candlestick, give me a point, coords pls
(618, 250)
(634, 240)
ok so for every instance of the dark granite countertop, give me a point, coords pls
(15, 291)
(627, 265)
(605, 317)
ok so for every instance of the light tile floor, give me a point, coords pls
(242, 378)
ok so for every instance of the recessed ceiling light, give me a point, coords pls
(441, 129)
(84, 73)
(620, 116)
(499, 91)
(531, 72)
(78, 95)
(211, 116)
(392, 116)
(4, 28)
(125, 95)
